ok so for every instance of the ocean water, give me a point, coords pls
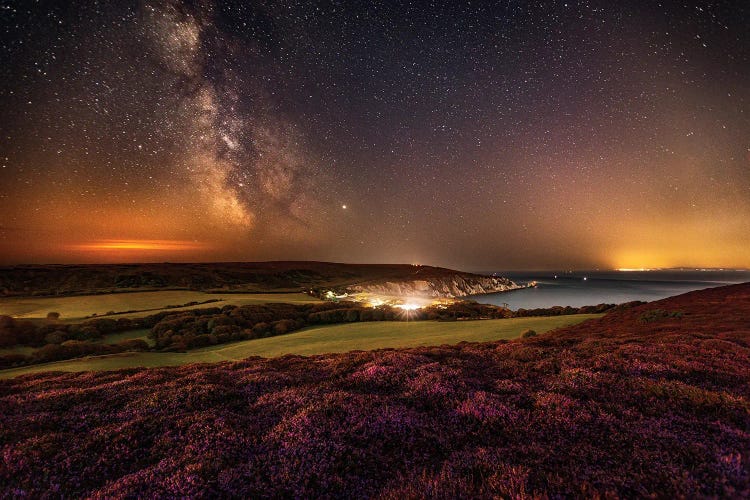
(580, 288)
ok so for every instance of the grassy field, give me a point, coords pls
(322, 339)
(77, 308)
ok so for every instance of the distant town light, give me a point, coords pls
(408, 306)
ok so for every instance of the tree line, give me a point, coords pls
(171, 331)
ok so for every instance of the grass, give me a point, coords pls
(73, 309)
(321, 339)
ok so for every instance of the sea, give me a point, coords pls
(581, 288)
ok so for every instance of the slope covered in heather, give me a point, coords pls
(651, 400)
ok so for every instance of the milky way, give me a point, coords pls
(487, 135)
(240, 157)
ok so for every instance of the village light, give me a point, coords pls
(408, 306)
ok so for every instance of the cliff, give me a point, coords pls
(282, 276)
(452, 285)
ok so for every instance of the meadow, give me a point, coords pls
(315, 340)
(80, 307)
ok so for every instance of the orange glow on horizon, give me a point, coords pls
(139, 245)
(692, 256)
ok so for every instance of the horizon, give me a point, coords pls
(484, 271)
(569, 135)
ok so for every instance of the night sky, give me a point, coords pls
(482, 135)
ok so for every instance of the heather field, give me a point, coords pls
(648, 401)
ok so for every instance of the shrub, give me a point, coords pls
(133, 345)
(13, 360)
(260, 329)
(225, 330)
(528, 333)
(87, 332)
(351, 315)
(56, 337)
(202, 340)
(49, 352)
(282, 327)
(7, 332)
(659, 314)
(104, 326)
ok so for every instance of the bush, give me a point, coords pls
(104, 326)
(86, 332)
(224, 330)
(56, 337)
(659, 314)
(138, 345)
(528, 333)
(13, 360)
(7, 332)
(202, 340)
(351, 315)
(50, 352)
(280, 327)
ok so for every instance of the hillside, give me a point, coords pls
(432, 284)
(241, 277)
(648, 401)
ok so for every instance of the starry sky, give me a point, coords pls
(476, 135)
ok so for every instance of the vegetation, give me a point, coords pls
(319, 340)
(195, 328)
(528, 333)
(659, 314)
(40, 280)
(134, 304)
(613, 407)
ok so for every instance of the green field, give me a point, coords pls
(322, 339)
(76, 308)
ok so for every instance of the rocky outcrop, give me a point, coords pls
(455, 285)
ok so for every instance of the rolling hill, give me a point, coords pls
(280, 276)
(648, 401)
